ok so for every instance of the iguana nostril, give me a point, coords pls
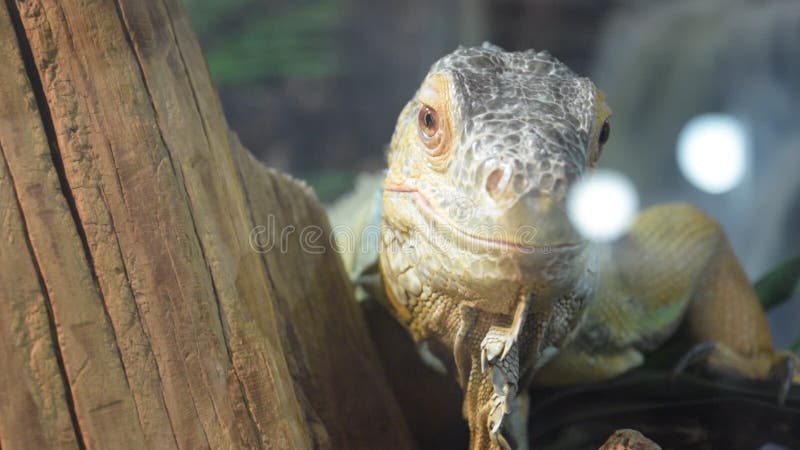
(495, 183)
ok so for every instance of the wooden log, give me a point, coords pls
(626, 439)
(134, 310)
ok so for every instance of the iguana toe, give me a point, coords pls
(490, 351)
(782, 366)
(697, 353)
(497, 412)
(785, 369)
(496, 345)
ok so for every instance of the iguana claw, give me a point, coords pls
(786, 369)
(695, 354)
(495, 421)
(505, 379)
(496, 345)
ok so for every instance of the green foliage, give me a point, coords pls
(206, 14)
(779, 284)
(245, 41)
(330, 184)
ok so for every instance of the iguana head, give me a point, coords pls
(479, 168)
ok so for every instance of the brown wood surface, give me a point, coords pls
(134, 310)
(629, 440)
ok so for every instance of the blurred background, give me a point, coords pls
(313, 87)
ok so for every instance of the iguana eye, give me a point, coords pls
(605, 133)
(428, 122)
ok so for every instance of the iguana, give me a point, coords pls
(476, 254)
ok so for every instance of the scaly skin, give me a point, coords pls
(477, 255)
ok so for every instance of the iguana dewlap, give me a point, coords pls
(477, 255)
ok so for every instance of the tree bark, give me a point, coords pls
(136, 308)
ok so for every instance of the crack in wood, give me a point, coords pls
(44, 112)
(178, 175)
(225, 328)
(50, 316)
(137, 310)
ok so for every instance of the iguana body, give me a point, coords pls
(477, 256)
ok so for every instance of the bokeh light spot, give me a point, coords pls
(602, 205)
(713, 152)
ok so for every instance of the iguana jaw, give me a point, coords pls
(502, 240)
(422, 242)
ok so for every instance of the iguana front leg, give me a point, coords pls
(675, 264)
(487, 400)
(492, 382)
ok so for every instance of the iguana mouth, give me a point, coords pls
(469, 240)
